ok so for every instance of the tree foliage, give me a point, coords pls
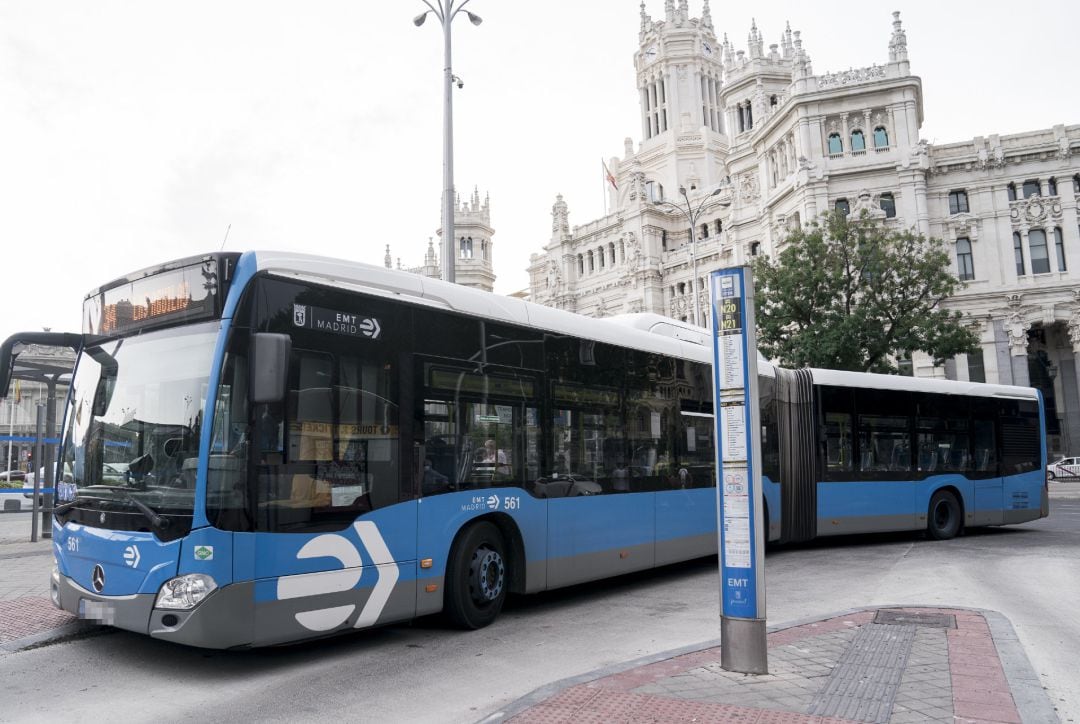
(850, 294)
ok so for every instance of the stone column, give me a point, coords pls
(1018, 349)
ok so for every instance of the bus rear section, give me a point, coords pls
(862, 453)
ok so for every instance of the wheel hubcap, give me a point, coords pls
(488, 573)
(942, 515)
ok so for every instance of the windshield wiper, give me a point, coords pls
(157, 520)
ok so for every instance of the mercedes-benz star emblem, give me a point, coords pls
(98, 578)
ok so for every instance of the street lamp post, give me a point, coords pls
(446, 11)
(692, 215)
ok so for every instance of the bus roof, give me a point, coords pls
(841, 378)
(647, 332)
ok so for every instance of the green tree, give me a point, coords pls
(850, 294)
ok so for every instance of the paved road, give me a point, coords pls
(424, 672)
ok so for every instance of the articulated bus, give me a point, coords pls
(261, 448)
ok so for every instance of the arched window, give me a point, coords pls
(682, 288)
(965, 263)
(836, 145)
(1051, 187)
(842, 206)
(1076, 183)
(1059, 245)
(592, 263)
(858, 141)
(483, 248)
(1032, 188)
(1040, 254)
(580, 264)
(622, 250)
(466, 247)
(1011, 191)
(663, 239)
(600, 256)
(881, 137)
(705, 231)
(611, 251)
(1018, 253)
(755, 248)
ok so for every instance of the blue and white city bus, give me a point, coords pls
(269, 447)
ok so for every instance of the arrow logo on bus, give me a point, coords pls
(343, 579)
(131, 556)
(370, 327)
(493, 502)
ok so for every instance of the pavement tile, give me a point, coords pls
(22, 617)
(987, 712)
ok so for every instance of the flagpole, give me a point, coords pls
(603, 183)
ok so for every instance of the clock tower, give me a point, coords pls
(680, 81)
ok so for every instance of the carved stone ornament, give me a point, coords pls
(1074, 332)
(1017, 329)
(852, 76)
(554, 278)
(963, 225)
(869, 205)
(1035, 211)
(748, 188)
(637, 185)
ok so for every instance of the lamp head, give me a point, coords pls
(715, 191)
(682, 190)
(474, 18)
(419, 19)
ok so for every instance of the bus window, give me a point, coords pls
(943, 435)
(340, 453)
(838, 423)
(1020, 429)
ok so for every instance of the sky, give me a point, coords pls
(137, 131)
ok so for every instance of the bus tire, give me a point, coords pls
(944, 516)
(477, 578)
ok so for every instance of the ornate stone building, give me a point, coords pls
(474, 265)
(763, 144)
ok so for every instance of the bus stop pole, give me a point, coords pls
(740, 527)
(39, 456)
(52, 470)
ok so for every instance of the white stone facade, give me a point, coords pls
(474, 247)
(764, 145)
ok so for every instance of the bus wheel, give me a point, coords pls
(476, 577)
(943, 520)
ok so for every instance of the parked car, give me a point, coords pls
(28, 482)
(13, 476)
(1064, 468)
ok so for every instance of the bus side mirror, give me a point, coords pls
(269, 361)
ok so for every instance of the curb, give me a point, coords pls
(1031, 699)
(45, 637)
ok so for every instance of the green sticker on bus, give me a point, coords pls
(204, 553)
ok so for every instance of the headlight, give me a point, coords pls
(185, 592)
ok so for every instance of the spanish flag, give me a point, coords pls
(608, 177)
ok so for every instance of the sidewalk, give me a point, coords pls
(898, 665)
(27, 616)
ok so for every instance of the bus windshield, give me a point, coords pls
(132, 435)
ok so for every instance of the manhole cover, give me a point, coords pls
(937, 620)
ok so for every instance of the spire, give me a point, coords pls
(684, 11)
(386, 259)
(669, 10)
(706, 16)
(898, 42)
(755, 42)
(429, 257)
(785, 42)
(646, 21)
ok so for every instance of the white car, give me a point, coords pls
(1064, 468)
(28, 484)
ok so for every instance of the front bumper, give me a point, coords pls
(222, 621)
